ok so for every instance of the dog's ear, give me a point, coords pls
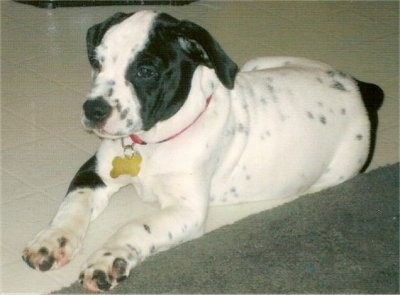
(203, 48)
(96, 33)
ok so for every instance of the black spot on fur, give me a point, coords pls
(124, 114)
(107, 254)
(62, 242)
(339, 86)
(322, 119)
(118, 106)
(263, 101)
(147, 228)
(129, 123)
(330, 73)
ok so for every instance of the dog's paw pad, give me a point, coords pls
(100, 277)
(50, 249)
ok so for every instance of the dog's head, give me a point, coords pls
(143, 64)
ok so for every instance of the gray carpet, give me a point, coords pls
(341, 240)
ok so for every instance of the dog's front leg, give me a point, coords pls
(183, 201)
(87, 196)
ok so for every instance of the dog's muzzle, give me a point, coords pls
(96, 112)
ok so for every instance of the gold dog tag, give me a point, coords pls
(127, 165)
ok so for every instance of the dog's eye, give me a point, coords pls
(146, 72)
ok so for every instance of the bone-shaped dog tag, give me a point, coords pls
(127, 165)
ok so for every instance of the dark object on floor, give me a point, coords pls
(72, 3)
(341, 240)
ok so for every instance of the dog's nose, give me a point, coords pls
(96, 110)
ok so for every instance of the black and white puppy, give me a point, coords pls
(182, 124)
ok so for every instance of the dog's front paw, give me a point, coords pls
(51, 249)
(106, 268)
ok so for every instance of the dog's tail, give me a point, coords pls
(372, 96)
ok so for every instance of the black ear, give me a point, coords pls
(203, 48)
(96, 33)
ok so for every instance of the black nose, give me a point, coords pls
(96, 110)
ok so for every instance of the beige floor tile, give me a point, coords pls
(59, 111)
(13, 188)
(20, 83)
(44, 163)
(81, 138)
(389, 114)
(70, 69)
(19, 132)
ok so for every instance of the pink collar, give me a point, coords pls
(136, 139)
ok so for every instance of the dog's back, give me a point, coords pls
(303, 120)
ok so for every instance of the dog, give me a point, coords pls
(188, 129)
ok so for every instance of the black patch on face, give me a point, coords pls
(129, 123)
(124, 114)
(161, 73)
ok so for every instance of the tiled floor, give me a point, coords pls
(45, 76)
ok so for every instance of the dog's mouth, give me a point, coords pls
(101, 129)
